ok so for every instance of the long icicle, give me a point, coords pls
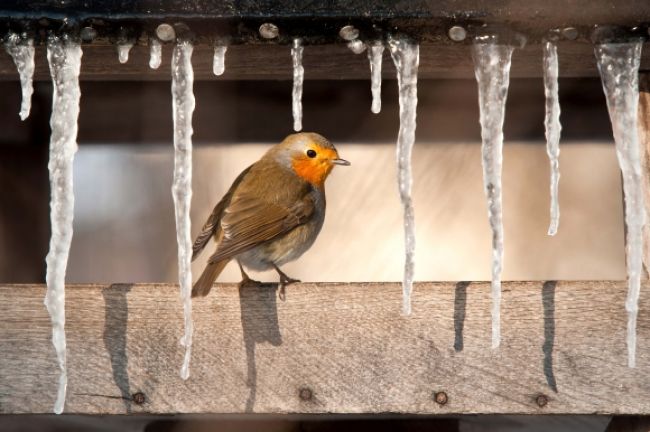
(406, 56)
(553, 129)
(64, 58)
(618, 64)
(21, 51)
(492, 70)
(375, 57)
(183, 108)
(298, 77)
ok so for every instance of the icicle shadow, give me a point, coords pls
(259, 319)
(548, 302)
(460, 302)
(116, 314)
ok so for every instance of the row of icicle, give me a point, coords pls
(618, 65)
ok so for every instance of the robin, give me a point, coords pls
(273, 211)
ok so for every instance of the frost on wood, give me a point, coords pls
(492, 70)
(375, 56)
(123, 50)
(219, 60)
(298, 76)
(553, 128)
(64, 58)
(406, 56)
(155, 53)
(618, 64)
(183, 108)
(21, 50)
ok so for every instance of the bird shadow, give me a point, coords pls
(548, 302)
(460, 302)
(259, 318)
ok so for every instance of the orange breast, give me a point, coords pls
(315, 170)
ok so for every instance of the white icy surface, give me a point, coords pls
(183, 108)
(155, 53)
(553, 128)
(375, 56)
(356, 46)
(21, 51)
(492, 70)
(64, 58)
(406, 56)
(123, 50)
(298, 76)
(618, 64)
(219, 60)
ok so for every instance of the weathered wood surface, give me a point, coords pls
(644, 141)
(629, 424)
(100, 62)
(341, 348)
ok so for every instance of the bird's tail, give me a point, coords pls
(212, 270)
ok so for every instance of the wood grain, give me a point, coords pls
(340, 348)
(644, 141)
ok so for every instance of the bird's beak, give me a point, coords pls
(339, 161)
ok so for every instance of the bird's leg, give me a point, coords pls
(245, 280)
(284, 281)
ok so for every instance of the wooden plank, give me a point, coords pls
(629, 424)
(336, 348)
(644, 141)
(328, 62)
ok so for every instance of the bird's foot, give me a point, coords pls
(248, 282)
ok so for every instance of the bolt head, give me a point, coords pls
(441, 398)
(138, 398)
(570, 33)
(305, 394)
(541, 401)
(165, 32)
(269, 31)
(457, 33)
(349, 32)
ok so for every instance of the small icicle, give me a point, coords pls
(183, 108)
(406, 56)
(356, 46)
(155, 53)
(123, 50)
(21, 51)
(219, 60)
(553, 128)
(64, 58)
(618, 64)
(492, 70)
(298, 76)
(375, 56)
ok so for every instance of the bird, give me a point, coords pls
(272, 213)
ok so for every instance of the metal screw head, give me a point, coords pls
(541, 400)
(138, 398)
(165, 32)
(441, 398)
(349, 32)
(457, 33)
(88, 34)
(305, 394)
(269, 31)
(570, 33)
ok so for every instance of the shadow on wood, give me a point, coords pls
(548, 300)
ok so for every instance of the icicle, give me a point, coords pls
(618, 64)
(375, 55)
(298, 76)
(123, 50)
(21, 51)
(553, 128)
(219, 60)
(406, 56)
(183, 108)
(155, 53)
(356, 46)
(492, 70)
(64, 57)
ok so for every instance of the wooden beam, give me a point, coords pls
(335, 348)
(644, 141)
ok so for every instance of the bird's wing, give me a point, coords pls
(249, 221)
(212, 224)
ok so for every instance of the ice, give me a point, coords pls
(64, 58)
(553, 128)
(219, 60)
(492, 70)
(406, 56)
(356, 46)
(618, 64)
(21, 50)
(123, 50)
(155, 53)
(298, 76)
(375, 55)
(183, 107)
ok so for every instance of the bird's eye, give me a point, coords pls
(311, 153)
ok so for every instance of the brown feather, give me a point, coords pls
(212, 270)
